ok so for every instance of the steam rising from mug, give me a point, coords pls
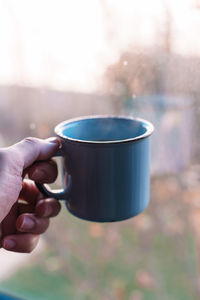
(103, 129)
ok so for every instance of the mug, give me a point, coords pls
(105, 166)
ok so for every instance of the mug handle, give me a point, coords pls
(59, 194)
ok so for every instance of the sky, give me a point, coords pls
(68, 45)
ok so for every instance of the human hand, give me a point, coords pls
(24, 211)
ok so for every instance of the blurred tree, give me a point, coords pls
(140, 71)
(136, 73)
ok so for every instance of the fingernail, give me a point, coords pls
(53, 140)
(9, 244)
(27, 223)
(47, 212)
(38, 175)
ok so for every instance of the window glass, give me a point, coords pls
(64, 59)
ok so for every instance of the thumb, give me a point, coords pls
(32, 149)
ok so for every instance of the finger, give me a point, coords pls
(43, 172)
(9, 222)
(32, 149)
(29, 192)
(25, 208)
(47, 208)
(31, 224)
(24, 243)
(1, 233)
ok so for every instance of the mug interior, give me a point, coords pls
(104, 129)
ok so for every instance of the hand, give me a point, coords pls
(24, 211)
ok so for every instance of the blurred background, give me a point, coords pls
(62, 59)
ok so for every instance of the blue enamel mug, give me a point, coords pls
(105, 166)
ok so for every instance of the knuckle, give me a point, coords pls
(30, 140)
